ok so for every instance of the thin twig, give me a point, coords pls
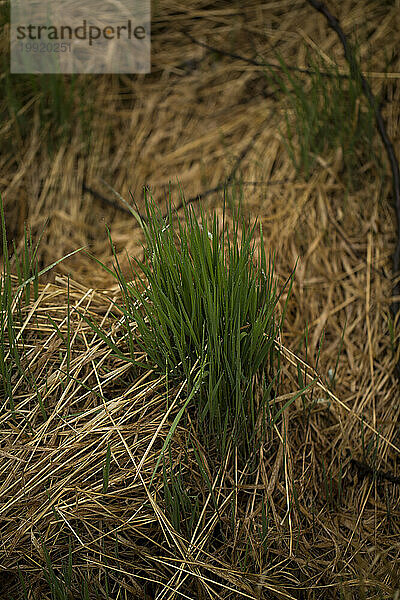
(105, 199)
(119, 206)
(231, 177)
(256, 63)
(230, 180)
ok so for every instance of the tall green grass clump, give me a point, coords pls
(325, 110)
(204, 301)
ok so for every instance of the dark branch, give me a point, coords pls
(231, 177)
(229, 181)
(256, 63)
(105, 199)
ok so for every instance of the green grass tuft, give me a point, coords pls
(325, 111)
(204, 299)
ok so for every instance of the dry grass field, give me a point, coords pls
(110, 487)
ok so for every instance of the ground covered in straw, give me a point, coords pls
(314, 513)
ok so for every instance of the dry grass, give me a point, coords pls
(333, 531)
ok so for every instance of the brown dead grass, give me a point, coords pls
(191, 126)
